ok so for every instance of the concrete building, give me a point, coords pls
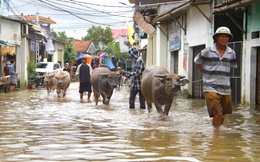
(184, 28)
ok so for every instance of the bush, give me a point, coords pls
(31, 69)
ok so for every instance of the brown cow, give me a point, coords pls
(103, 82)
(50, 82)
(63, 82)
(159, 87)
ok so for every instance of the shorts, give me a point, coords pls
(217, 103)
(85, 87)
(13, 82)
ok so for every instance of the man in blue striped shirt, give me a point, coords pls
(214, 63)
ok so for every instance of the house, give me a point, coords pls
(85, 47)
(119, 32)
(121, 36)
(10, 43)
(38, 43)
(184, 28)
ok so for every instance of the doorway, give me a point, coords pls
(197, 88)
(175, 62)
(257, 100)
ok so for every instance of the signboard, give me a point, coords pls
(139, 19)
(174, 40)
(175, 35)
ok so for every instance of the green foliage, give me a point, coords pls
(31, 69)
(114, 48)
(97, 34)
(69, 53)
(61, 36)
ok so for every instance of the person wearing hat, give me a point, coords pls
(136, 74)
(214, 64)
(83, 72)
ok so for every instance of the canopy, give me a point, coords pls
(81, 55)
(109, 63)
(102, 55)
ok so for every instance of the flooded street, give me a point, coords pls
(38, 127)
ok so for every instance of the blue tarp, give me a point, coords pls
(80, 56)
(109, 63)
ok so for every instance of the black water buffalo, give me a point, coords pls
(159, 87)
(103, 82)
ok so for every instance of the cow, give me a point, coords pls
(63, 82)
(103, 82)
(50, 82)
(159, 87)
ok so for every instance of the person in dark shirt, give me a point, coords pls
(136, 74)
(67, 67)
(6, 69)
(83, 72)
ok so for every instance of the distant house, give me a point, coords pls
(121, 36)
(85, 47)
(119, 32)
(41, 19)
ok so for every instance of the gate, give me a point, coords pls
(235, 78)
(197, 86)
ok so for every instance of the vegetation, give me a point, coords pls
(114, 48)
(97, 34)
(31, 68)
(70, 52)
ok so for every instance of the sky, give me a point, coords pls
(76, 16)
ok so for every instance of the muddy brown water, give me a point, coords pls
(38, 127)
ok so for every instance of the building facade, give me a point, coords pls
(184, 28)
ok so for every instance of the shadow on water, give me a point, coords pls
(39, 127)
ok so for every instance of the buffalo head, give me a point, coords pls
(171, 82)
(111, 77)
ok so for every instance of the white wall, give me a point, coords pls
(10, 31)
(198, 27)
(162, 46)
(248, 76)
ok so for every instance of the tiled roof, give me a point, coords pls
(81, 46)
(41, 19)
(117, 32)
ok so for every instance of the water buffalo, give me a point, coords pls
(50, 82)
(159, 87)
(63, 82)
(103, 82)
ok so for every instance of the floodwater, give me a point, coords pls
(36, 127)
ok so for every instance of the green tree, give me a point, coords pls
(61, 36)
(70, 52)
(98, 34)
(114, 48)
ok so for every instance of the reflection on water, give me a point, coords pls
(37, 127)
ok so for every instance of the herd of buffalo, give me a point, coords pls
(158, 85)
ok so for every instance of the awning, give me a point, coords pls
(223, 7)
(167, 15)
(4, 43)
(7, 48)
